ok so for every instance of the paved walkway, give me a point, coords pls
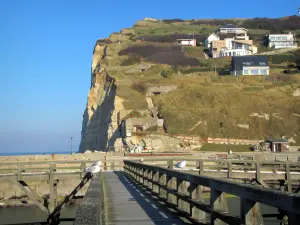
(128, 204)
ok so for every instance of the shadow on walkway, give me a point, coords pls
(157, 212)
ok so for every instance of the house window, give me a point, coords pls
(254, 72)
(246, 72)
(263, 72)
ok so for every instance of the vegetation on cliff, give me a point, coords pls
(145, 55)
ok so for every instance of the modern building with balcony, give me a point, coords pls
(230, 28)
(239, 48)
(282, 41)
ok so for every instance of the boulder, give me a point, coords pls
(296, 93)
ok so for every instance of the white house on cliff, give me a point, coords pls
(212, 37)
(282, 41)
(230, 28)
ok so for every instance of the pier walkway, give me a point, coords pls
(152, 191)
(129, 205)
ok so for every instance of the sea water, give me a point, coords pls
(3, 153)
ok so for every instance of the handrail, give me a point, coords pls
(49, 168)
(251, 196)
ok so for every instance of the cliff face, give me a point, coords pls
(99, 126)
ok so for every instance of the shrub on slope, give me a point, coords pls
(171, 55)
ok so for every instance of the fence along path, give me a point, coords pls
(184, 192)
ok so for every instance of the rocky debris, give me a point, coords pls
(262, 115)
(276, 115)
(292, 140)
(88, 152)
(244, 126)
(296, 93)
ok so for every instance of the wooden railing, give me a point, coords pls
(43, 170)
(183, 192)
(263, 172)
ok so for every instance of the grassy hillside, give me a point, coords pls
(216, 103)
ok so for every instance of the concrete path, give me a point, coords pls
(127, 204)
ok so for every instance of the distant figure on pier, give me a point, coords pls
(94, 168)
(180, 164)
(141, 160)
(230, 152)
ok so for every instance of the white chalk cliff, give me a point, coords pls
(100, 126)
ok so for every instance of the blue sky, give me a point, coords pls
(46, 51)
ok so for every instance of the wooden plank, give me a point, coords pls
(229, 175)
(201, 167)
(197, 195)
(288, 177)
(130, 204)
(31, 196)
(82, 168)
(250, 212)
(170, 164)
(217, 202)
(179, 188)
(54, 216)
(53, 189)
(36, 196)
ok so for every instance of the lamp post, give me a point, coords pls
(71, 144)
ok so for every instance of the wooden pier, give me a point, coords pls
(120, 189)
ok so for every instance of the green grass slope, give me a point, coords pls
(217, 104)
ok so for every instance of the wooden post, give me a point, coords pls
(20, 168)
(257, 166)
(170, 164)
(142, 175)
(229, 174)
(112, 165)
(197, 195)
(105, 163)
(38, 200)
(159, 175)
(154, 177)
(145, 176)
(179, 189)
(169, 185)
(135, 173)
(288, 178)
(217, 202)
(82, 168)
(201, 169)
(250, 212)
(281, 183)
(150, 176)
(53, 189)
